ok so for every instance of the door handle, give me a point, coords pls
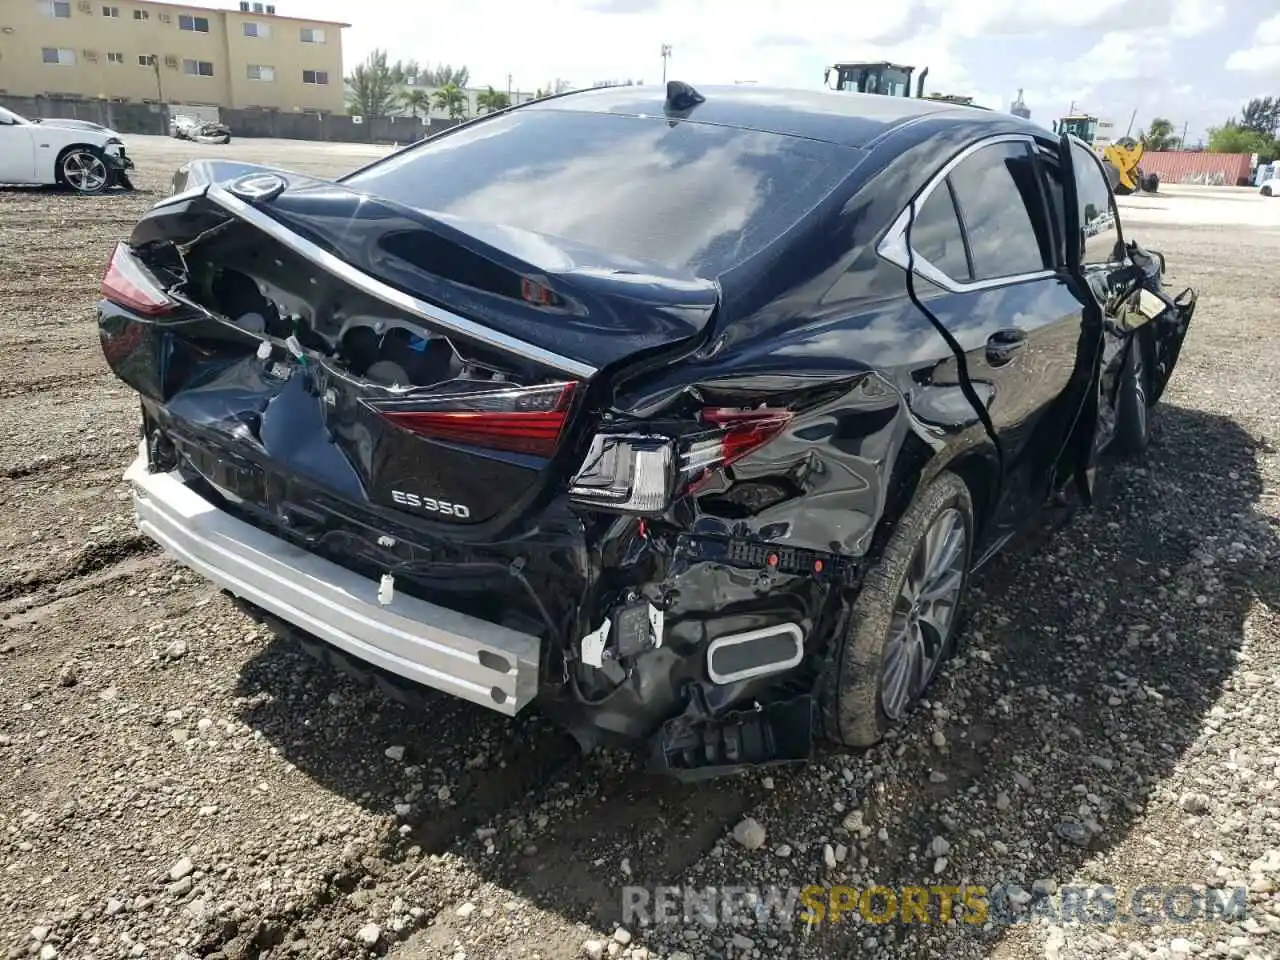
(1003, 344)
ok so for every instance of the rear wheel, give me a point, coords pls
(84, 170)
(1266, 191)
(903, 622)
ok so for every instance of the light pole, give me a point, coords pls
(666, 55)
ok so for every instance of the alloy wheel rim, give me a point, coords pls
(84, 171)
(924, 613)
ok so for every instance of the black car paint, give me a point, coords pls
(817, 320)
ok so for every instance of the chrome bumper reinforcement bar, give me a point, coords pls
(474, 659)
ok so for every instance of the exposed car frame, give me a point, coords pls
(693, 509)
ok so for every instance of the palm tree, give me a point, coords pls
(415, 99)
(452, 100)
(372, 94)
(492, 100)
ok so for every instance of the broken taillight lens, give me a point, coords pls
(516, 419)
(127, 282)
(738, 432)
(638, 473)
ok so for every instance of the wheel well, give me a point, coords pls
(978, 469)
(981, 474)
(57, 164)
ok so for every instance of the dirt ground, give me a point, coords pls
(179, 782)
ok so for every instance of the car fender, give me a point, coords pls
(51, 142)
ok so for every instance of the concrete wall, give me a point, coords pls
(153, 118)
(311, 126)
(102, 49)
(123, 117)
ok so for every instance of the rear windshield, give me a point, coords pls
(688, 196)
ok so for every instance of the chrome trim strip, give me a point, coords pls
(758, 671)
(893, 246)
(483, 662)
(388, 294)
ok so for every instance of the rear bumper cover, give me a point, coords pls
(486, 663)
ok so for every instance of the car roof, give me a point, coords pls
(848, 119)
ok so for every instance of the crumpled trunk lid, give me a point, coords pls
(401, 362)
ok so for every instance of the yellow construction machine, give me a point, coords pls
(886, 79)
(1123, 156)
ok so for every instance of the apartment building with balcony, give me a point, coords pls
(140, 50)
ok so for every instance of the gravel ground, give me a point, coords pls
(181, 782)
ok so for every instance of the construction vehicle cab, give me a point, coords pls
(884, 78)
(1082, 127)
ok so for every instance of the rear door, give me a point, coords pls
(995, 280)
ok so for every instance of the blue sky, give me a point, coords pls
(1192, 61)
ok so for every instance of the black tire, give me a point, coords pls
(1152, 183)
(1266, 191)
(1133, 421)
(852, 689)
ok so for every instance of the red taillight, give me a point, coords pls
(638, 472)
(127, 283)
(516, 419)
(744, 430)
(737, 433)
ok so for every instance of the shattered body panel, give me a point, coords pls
(447, 401)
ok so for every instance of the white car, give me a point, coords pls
(84, 156)
(1270, 188)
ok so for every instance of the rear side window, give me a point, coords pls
(1055, 194)
(687, 196)
(936, 235)
(998, 194)
(1099, 224)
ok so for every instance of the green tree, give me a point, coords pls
(453, 100)
(1262, 115)
(445, 74)
(1159, 136)
(416, 100)
(405, 72)
(372, 92)
(1233, 138)
(492, 100)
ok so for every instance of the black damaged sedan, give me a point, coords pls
(686, 414)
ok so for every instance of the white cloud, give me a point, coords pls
(1269, 30)
(978, 18)
(1137, 44)
(1264, 54)
(1193, 17)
